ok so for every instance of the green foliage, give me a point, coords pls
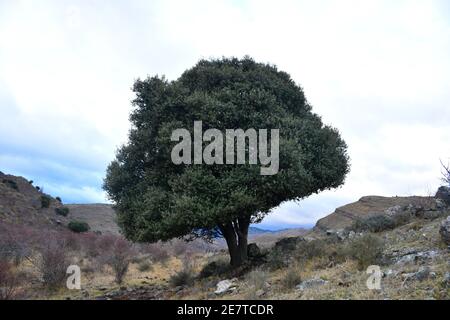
(78, 226)
(45, 201)
(58, 199)
(158, 200)
(63, 211)
(366, 250)
(11, 183)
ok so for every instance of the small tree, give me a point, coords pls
(119, 257)
(159, 200)
(52, 261)
(366, 250)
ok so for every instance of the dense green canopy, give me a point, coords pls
(158, 200)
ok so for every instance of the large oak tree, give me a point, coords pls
(159, 200)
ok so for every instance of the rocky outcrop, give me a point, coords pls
(288, 244)
(443, 194)
(253, 251)
(422, 274)
(444, 230)
(343, 217)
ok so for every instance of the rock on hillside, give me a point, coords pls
(368, 206)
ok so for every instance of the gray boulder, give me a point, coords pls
(440, 204)
(288, 244)
(225, 286)
(422, 274)
(253, 251)
(393, 211)
(416, 257)
(311, 283)
(444, 230)
(446, 280)
(443, 193)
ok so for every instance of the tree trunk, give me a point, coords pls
(236, 236)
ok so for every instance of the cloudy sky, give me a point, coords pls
(379, 71)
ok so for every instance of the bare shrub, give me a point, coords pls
(366, 250)
(215, 268)
(145, 265)
(256, 282)
(89, 244)
(119, 257)
(179, 247)
(291, 278)
(15, 242)
(312, 249)
(257, 279)
(105, 242)
(53, 260)
(8, 281)
(184, 277)
(156, 252)
(72, 241)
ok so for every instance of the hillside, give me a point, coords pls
(100, 217)
(23, 203)
(20, 203)
(407, 237)
(366, 207)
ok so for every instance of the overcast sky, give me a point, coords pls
(379, 71)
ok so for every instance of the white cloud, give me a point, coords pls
(377, 70)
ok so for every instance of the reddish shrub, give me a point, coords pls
(179, 247)
(52, 261)
(156, 252)
(72, 241)
(89, 244)
(119, 257)
(15, 242)
(105, 242)
(8, 281)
